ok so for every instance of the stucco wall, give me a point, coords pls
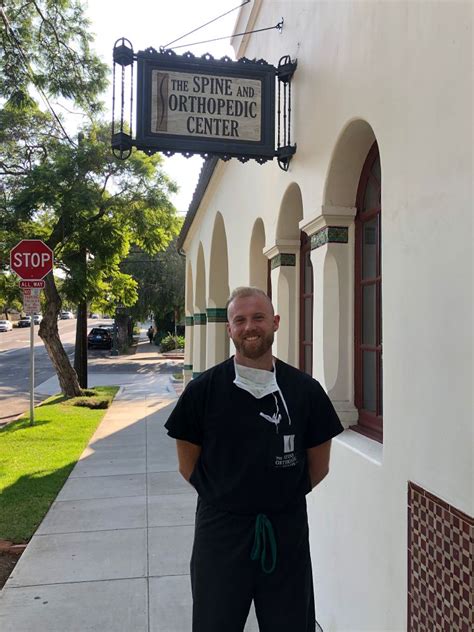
(405, 69)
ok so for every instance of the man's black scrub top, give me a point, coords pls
(247, 463)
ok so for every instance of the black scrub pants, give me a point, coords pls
(225, 580)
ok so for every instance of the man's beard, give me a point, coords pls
(257, 349)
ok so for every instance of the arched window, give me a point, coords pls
(368, 299)
(306, 305)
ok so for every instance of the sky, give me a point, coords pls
(156, 23)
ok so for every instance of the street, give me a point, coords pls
(15, 364)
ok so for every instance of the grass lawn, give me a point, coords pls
(36, 460)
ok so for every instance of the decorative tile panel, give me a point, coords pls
(189, 321)
(200, 319)
(283, 259)
(188, 367)
(319, 239)
(330, 234)
(440, 565)
(216, 315)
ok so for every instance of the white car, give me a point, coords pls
(5, 325)
(66, 315)
(37, 318)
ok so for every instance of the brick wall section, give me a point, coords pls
(440, 565)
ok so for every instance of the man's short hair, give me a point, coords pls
(244, 292)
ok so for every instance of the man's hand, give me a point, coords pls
(318, 462)
(188, 454)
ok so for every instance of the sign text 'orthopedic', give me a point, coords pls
(205, 105)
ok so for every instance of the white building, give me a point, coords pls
(367, 237)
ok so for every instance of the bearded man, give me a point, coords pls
(253, 437)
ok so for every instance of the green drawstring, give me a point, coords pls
(263, 527)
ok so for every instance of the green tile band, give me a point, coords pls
(196, 373)
(330, 234)
(189, 321)
(283, 259)
(188, 367)
(216, 315)
(200, 319)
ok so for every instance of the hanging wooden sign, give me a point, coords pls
(201, 105)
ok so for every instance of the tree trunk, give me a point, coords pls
(80, 354)
(48, 332)
(121, 321)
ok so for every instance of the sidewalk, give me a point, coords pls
(112, 554)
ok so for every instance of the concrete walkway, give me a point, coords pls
(112, 554)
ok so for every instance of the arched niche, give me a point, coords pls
(290, 214)
(284, 255)
(217, 339)
(258, 262)
(219, 266)
(331, 318)
(189, 321)
(200, 293)
(334, 260)
(189, 303)
(199, 326)
(346, 163)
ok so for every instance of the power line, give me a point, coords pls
(278, 27)
(206, 24)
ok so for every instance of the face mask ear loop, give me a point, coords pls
(284, 404)
(281, 395)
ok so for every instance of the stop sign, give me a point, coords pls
(31, 259)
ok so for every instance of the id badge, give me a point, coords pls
(284, 451)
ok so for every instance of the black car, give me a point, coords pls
(99, 338)
(109, 328)
(25, 321)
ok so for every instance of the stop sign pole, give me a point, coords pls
(31, 260)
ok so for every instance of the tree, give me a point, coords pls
(46, 45)
(160, 285)
(10, 294)
(88, 206)
(44, 52)
(93, 207)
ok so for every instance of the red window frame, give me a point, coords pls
(370, 421)
(304, 249)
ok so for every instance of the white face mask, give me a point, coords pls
(257, 382)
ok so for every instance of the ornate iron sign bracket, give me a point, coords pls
(285, 150)
(122, 141)
(200, 105)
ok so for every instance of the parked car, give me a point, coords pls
(99, 338)
(37, 318)
(66, 315)
(109, 328)
(25, 321)
(5, 325)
